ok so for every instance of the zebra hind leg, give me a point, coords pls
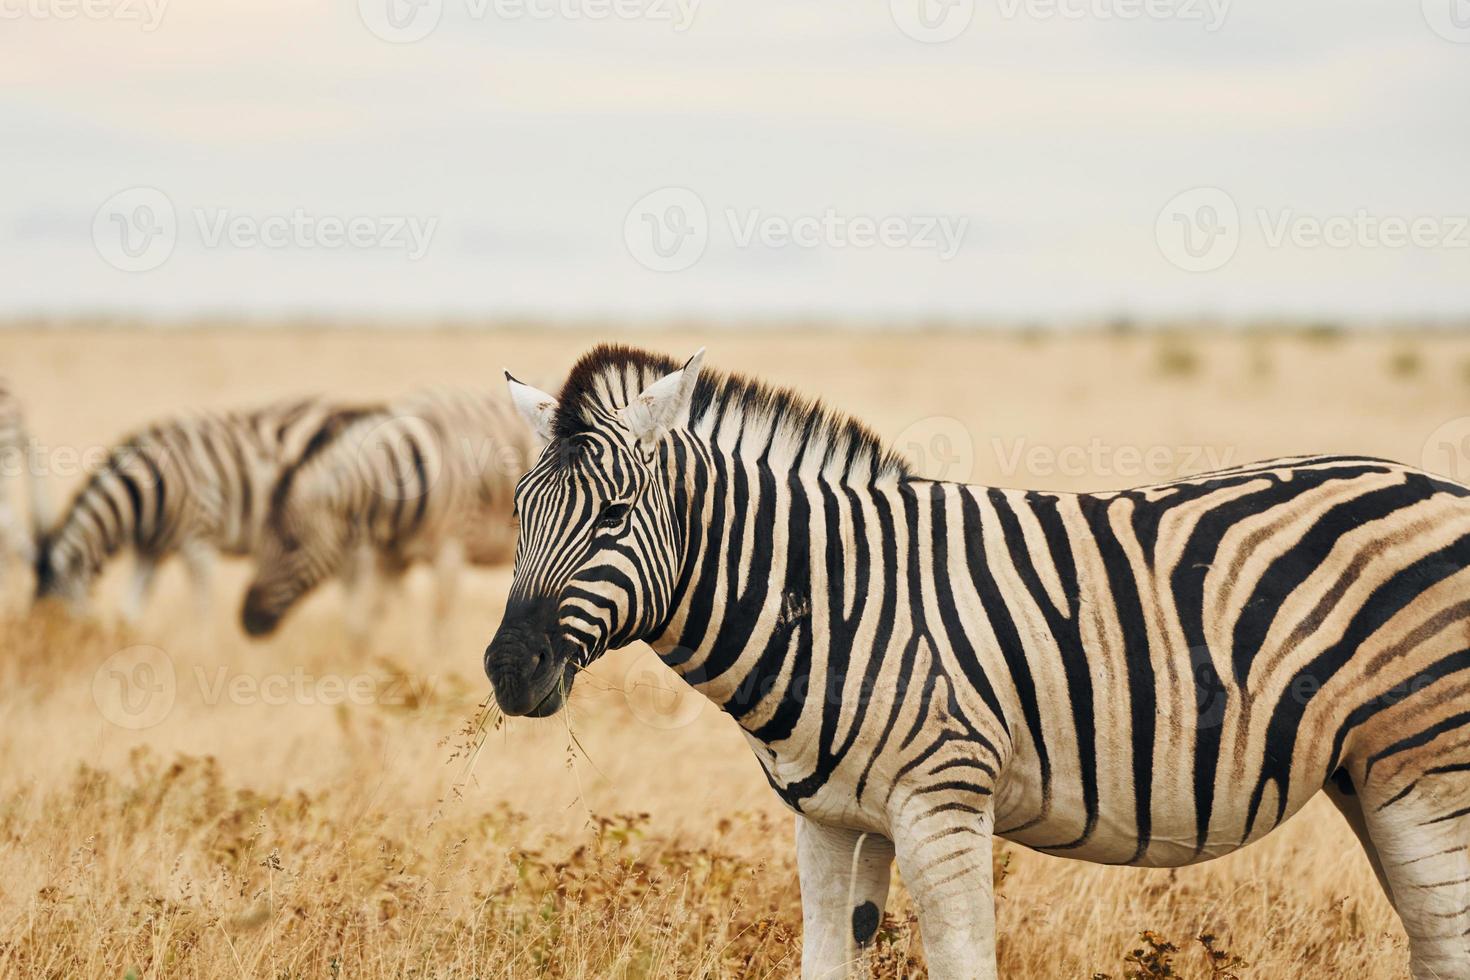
(1421, 833)
(1344, 796)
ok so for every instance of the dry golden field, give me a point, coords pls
(290, 809)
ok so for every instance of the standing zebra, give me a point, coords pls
(17, 532)
(192, 486)
(428, 479)
(1151, 677)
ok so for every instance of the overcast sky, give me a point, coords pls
(990, 158)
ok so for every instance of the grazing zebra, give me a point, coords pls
(429, 478)
(192, 486)
(1154, 676)
(17, 532)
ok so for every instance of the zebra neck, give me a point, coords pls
(760, 548)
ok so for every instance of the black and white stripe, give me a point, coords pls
(427, 479)
(1154, 676)
(194, 485)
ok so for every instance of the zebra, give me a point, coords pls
(1154, 676)
(17, 533)
(428, 478)
(191, 485)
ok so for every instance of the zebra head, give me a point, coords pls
(63, 568)
(303, 542)
(597, 555)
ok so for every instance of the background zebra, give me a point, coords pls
(428, 479)
(17, 527)
(192, 486)
(1154, 676)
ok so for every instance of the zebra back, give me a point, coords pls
(201, 477)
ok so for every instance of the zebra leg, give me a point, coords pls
(448, 564)
(844, 886)
(1422, 836)
(9, 538)
(364, 587)
(944, 855)
(1343, 796)
(199, 560)
(145, 568)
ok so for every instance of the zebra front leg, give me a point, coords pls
(362, 583)
(844, 886)
(145, 569)
(448, 564)
(199, 561)
(944, 855)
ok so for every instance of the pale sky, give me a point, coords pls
(728, 158)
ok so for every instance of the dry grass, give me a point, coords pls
(269, 825)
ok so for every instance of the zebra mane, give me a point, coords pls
(785, 428)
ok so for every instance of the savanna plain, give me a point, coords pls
(176, 801)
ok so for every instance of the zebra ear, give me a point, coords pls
(535, 406)
(661, 404)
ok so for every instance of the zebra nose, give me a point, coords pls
(255, 618)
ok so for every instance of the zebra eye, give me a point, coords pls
(612, 515)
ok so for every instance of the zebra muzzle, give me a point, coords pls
(530, 672)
